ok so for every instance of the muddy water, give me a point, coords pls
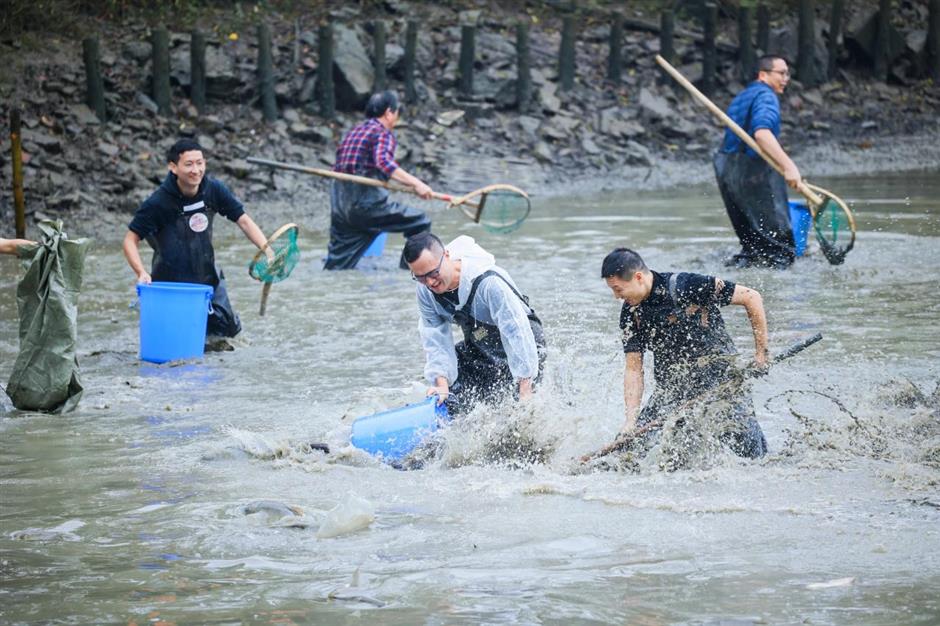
(142, 505)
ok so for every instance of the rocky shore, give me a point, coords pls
(641, 133)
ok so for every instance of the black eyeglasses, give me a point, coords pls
(781, 72)
(424, 278)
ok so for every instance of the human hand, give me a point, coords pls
(144, 278)
(441, 391)
(423, 191)
(525, 389)
(792, 175)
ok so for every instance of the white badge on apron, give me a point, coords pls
(198, 222)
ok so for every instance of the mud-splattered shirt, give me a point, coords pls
(679, 322)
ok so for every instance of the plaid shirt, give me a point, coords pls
(366, 148)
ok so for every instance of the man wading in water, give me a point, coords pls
(676, 316)
(503, 348)
(755, 196)
(176, 220)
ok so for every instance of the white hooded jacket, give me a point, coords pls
(494, 303)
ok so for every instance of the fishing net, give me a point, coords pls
(500, 208)
(834, 226)
(284, 254)
(503, 210)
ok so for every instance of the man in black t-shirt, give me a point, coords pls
(176, 220)
(677, 317)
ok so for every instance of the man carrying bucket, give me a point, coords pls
(676, 317)
(755, 196)
(358, 213)
(503, 350)
(176, 220)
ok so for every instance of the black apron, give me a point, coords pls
(482, 365)
(183, 253)
(358, 213)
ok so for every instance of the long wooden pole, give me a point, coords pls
(19, 204)
(814, 198)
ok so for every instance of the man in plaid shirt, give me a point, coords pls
(359, 213)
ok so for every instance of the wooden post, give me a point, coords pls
(614, 61)
(266, 74)
(411, 45)
(709, 54)
(881, 39)
(763, 27)
(160, 39)
(325, 92)
(197, 70)
(933, 41)
(566, 54)
(378, 41)
(19, 206)
(835, 33)
(465, 64)
(745, 47)
(523, 75)
(806, 44)
(94, 85)
(667, 48)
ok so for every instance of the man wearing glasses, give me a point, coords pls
(503, 347)
(755, 196)
(359, 213)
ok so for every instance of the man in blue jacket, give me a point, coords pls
(176, 220)
(755, 195)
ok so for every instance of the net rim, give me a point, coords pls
(280, 232)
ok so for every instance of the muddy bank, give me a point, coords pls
(639, 134)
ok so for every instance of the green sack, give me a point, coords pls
(45, 376)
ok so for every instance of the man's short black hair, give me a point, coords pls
(382, 101)
(181, 146)
(766, 62)
(416, 244)
(622, 263)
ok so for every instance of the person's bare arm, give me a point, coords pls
(769, 144)
(251, 230)
(9, 246)
(132, 254)
(753, 303)
(632, 389)
(423, 190)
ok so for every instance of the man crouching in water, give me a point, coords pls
(503, 349)
(676, 316)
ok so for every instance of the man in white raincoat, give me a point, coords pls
(503, 350)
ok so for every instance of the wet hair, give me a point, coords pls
(181, 146)
(622, 263)
(382, 101)
(416, 244)
(766, 62)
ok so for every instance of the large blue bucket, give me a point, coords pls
(395, 433)
(173, 320)
(377, 246)
(800, 220)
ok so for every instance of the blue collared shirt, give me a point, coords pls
(760, 100)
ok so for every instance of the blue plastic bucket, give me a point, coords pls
(800, 220)
(377, 246)
(395, 433)
(173, 320)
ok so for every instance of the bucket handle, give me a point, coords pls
(209, 302)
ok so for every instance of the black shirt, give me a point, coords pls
(168, 203)
(679, 322)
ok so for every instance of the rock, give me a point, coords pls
(869, 125)
(588, 145)
(318, 134)
(353, 72)
(550, 102)
(813, 97)
(48, 143)
(145, 101)
(637, 153)
(108, 149)
(530, 125)
(290, 115)
(448, 118)
(83, 115)
(239, 168)
(543, 152)
(139, 51)
(653, 106)
(679, 127)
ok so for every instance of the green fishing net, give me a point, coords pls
(503, 210)
(280, 263)
(834, 226)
